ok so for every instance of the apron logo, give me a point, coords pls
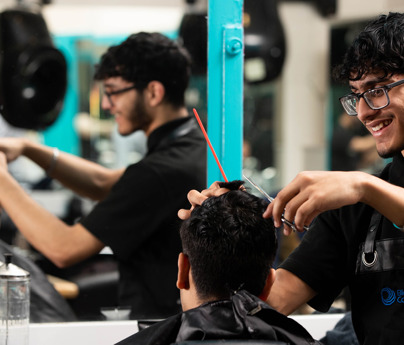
(389, 296)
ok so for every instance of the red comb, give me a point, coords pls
(210, 145)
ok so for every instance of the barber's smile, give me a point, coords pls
(378, 127)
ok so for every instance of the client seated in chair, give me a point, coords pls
(224, 274)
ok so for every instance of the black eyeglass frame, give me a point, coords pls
(385, 88)
(117, 92)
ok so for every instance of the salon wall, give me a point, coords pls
(113, 17)
(108, 17)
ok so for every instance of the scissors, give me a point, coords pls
(270, 199)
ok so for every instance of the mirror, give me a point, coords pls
(82, 129)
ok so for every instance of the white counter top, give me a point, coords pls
(110, 332)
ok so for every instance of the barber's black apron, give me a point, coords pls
(378, 287)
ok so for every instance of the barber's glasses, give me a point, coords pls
(377, 98)
(117, 92)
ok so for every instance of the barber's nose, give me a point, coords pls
(363, 110)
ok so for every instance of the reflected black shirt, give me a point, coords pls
(138, 220)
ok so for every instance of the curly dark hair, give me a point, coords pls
(144, 57)
(378, 48)
(229, 244)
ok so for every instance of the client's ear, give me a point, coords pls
(183, 272)
(268, 284)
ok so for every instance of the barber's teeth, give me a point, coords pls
(374, 129)
(380, 126)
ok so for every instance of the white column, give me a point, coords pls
(303, 89)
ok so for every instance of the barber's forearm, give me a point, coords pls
(288, 292)
(80, 175)
(385, 197)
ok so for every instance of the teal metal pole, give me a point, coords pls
(62, 133)
(225, 87)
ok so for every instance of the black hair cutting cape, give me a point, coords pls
(244, 316)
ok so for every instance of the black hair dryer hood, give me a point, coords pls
(32, 71)
(264, 39)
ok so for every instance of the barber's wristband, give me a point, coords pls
(53, 162)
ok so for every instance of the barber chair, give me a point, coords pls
(97, 279)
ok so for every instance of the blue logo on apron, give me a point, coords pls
(388, 296)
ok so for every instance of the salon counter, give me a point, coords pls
(81, 333)
(110, 332)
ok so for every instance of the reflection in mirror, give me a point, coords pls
(79, 292)
(83, 129)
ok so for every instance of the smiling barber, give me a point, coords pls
(356, 238)
(144, 79)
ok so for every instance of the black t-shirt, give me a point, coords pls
(138, 219)
(328, 257)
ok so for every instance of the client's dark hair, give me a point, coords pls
(229, 244)
(144, 57)
(378, 48)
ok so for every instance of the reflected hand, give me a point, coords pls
(311, 193)
(12, 148)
